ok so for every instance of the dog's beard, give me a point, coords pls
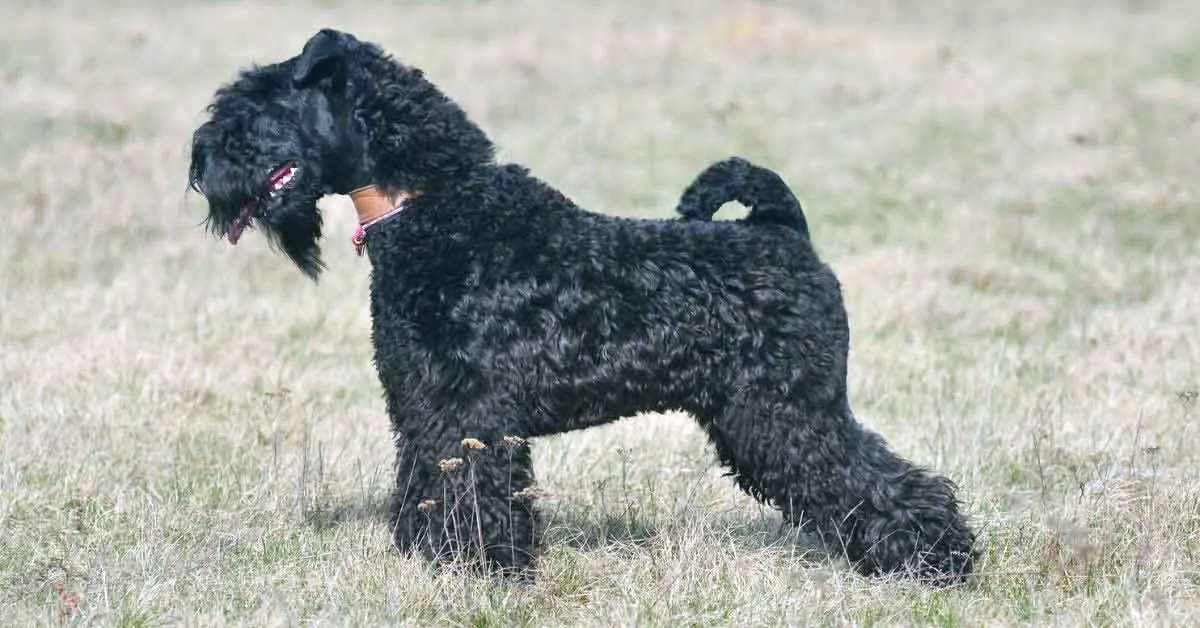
(295, 228)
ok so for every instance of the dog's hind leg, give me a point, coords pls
(466, 499)
(827, 473)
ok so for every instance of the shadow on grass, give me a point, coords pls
(331, 513)
(591, 528)
(586, 529)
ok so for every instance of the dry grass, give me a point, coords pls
(193, 434)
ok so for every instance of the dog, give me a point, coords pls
(501, 311)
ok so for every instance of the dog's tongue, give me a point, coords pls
(239, 225)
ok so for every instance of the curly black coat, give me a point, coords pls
(501, 309)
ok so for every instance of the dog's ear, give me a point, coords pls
(323, 55)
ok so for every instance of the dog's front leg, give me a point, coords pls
(466, 500)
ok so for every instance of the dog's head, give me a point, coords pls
(338, 116)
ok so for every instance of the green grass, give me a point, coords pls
(193, 434)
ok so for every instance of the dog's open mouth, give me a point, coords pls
(276, 183)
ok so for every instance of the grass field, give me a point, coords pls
(193, 434)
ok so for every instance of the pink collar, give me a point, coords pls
(374, 206)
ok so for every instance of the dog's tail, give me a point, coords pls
(762, 191)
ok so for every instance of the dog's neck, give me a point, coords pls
(373, 204)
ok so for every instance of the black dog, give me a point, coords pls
(502, 311)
